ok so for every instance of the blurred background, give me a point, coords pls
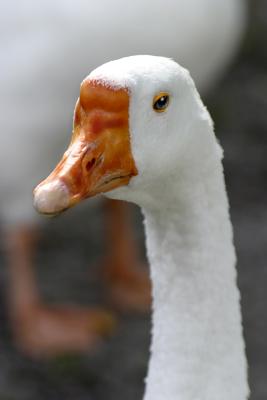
(47, 48)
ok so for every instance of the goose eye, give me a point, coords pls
(161, 102)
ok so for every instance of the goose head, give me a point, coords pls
(132, 134)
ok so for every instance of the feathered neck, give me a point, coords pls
(197, 350)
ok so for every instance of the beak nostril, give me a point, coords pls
(94, 162)
(90, 164)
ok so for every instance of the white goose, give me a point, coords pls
(142, 134)
(38, 40)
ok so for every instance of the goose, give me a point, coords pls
(142, 134)
(38, 42)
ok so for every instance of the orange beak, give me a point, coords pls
(99, 157)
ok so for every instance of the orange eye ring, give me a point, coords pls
(161, 102)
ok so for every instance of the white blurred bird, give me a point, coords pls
(47, 47)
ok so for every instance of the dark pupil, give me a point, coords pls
(161, 103)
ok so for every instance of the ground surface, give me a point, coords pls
(73, 243)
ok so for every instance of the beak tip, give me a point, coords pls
(51, 198)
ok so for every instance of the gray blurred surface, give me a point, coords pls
(72, 247)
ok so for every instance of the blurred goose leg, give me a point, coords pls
(129, 283)
(41, 330)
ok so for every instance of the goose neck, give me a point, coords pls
(197, 350)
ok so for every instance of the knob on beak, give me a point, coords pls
(51, 198)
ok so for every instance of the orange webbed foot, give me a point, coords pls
(50, 331)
